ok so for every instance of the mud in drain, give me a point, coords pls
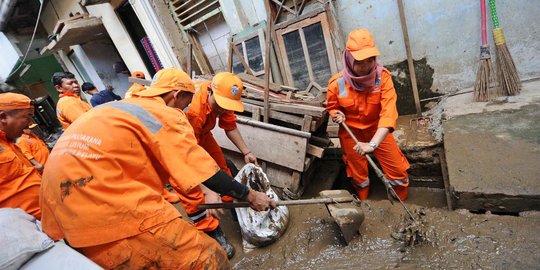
(413, 232)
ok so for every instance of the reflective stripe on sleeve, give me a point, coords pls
(146, 118)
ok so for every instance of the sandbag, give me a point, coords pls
(21, 237)
(260, 228)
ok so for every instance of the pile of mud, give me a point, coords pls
(456, 239)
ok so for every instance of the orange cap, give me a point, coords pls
(361, 44)
(138, 74)
(13, 101)
(227, 89)
(167, 80)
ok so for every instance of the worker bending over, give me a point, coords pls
(102, 185)
(33, 148)
(69, 106)
(216, 99)
(363, 96)
(19, 179)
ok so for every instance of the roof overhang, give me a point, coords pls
(75, 31)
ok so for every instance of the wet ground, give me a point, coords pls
(456, 239)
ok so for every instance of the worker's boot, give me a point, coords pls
(219, 236)
(401, 191)
(170, 196)
(362, 193)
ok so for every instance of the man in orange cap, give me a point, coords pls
(363, 96)
(218, 99)
(33, 148)
(135, 87)
(19, 180)
(112, 184)
(69, 106)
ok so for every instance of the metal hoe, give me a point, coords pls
(390, 192)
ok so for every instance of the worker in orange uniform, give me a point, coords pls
(102, 185)
(33, 148)
(135, 87)
(218, 99)
(69, 106)
(363, 96)
(19, 180)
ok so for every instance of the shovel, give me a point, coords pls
(341, 205)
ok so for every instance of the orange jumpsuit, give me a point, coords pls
(103, 181)
(19, 180)
(134, 88)
(203, 120)
(365, 112)
(33, 148)
(69, 108)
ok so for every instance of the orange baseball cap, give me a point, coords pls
(361, 44)
(227, 89)
(166, 80)
(138, 74)
(13, 101)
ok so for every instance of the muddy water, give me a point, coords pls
(455, 240)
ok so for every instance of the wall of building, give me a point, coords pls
(102, 55)
(446, 35)
(214, 41)
(58, 9)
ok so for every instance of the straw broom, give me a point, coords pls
(485, 86)
(506, 69)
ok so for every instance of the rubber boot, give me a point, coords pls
(219, 236)
(362, 193)
(401, 191)
(169, 196)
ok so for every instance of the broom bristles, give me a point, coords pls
(507, 71)
(485, 86)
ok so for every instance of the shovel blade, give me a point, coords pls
(347, 216)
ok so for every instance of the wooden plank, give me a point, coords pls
(285, 7)
(204, 9)
(258, 81)
(242, 60)
(285, 117)
(274, 146)
(294, 108)
(306, 57)
(204, 18)
(256, 113)
(230, 57)
(300, 18)
(315, 150)
(268, 45)
(200, 56)
(190, 8)
(306, 126)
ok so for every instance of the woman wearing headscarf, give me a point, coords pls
(363, 96)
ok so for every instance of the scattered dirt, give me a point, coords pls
(457, 239)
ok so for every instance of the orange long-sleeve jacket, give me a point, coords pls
(364, 110)
(33, 148)
(203, 119)
(69, 108)
(19, 180)
(105, 175)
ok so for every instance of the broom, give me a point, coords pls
(506, 69)
(485, 86)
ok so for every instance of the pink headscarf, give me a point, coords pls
(360, 83)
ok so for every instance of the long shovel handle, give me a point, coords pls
(279, 203)
(380, 174)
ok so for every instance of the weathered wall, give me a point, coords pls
(102, 56)
(214, 41)
(56, 10)
(446, 34)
